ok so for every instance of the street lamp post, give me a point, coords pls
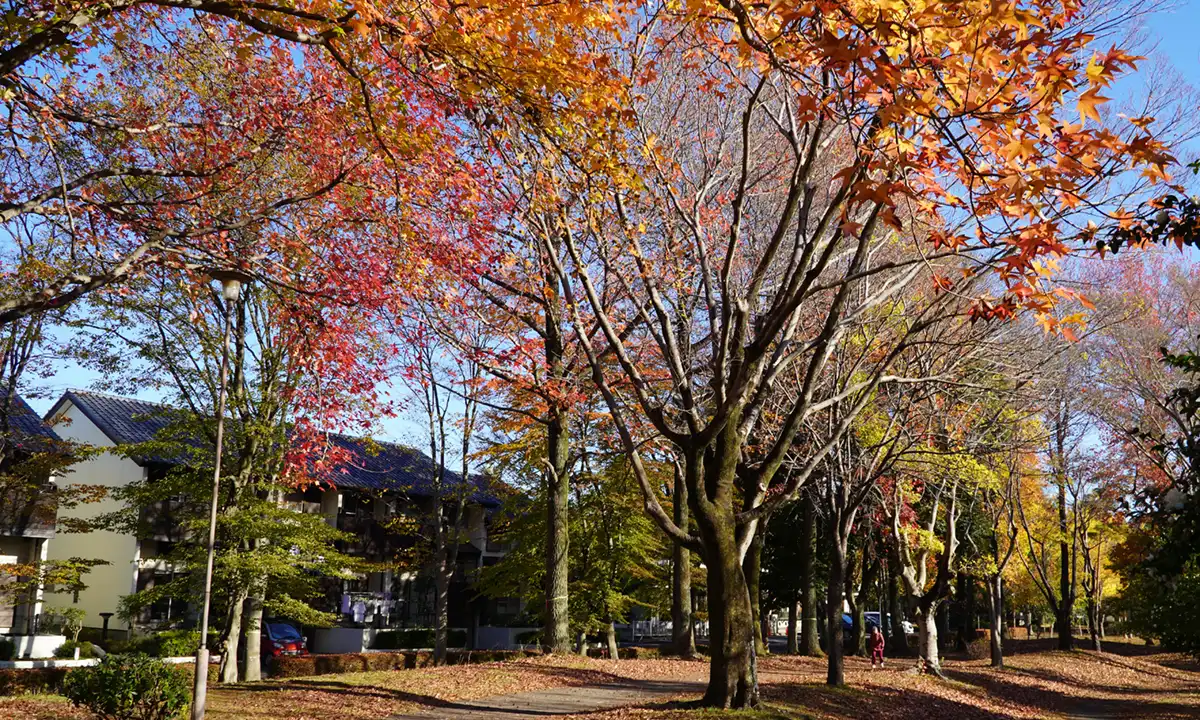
(231, 286)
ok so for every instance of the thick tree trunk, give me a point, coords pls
(610, 637)
(927, 640)
(557, 630)
(683, 637)
(793, 641)
(995, 585)
(731, 681)
(753, 570)
(943, 625)
(233, 635)
(836, 670)
(253, 623)
(810, 642)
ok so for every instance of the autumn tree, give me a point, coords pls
(115, 162)
(741, 256)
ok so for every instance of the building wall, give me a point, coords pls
(106, 584)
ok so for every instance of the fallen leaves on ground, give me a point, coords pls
(1129, 682)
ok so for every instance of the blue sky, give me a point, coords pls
(1178, 31)
(1173, 33)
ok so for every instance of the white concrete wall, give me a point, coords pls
(106, 584)
(35, 647)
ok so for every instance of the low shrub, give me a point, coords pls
(8, 649)
(979, 649)
(415, 638)
(37, 680)
(67, 650)
(179, 643)
(129, 687)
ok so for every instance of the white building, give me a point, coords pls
(382, 480)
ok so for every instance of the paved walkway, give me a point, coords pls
(559, 701)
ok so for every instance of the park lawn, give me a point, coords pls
(1127, 681)
(1130, 682)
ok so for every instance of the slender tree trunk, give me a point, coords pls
(253, 623)
(581, 647)
(995, 586)
(610, 637)
(898, 645)
(1093, 610)
(810, 642)
(557, 631)
(793, 641)
(927, 639)
(233, 634)
(731, 681)
(1065, 585)
(836, 670)
(753, 570)
(966, 625)
(683, 637)
(441, 607)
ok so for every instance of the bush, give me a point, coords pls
(67, 650)
(415, 638)
(8, 649)
(980, 649)
(129, 687)
(179, 643)
(37, 680)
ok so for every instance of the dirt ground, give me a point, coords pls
(1126, 681)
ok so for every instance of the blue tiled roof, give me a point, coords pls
(380, 465)
(373, 465)
(27, 427)
(125, 421)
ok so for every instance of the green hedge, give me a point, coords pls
(415, 639)
(67, 650)
(35, 680)
(629, 653)
(167, 643)
(301, 666)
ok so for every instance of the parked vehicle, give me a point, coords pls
(282, 638)
(873, 618)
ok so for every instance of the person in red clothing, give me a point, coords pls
(876, 644)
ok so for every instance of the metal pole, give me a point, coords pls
(200, 686)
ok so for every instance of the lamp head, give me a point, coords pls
(231, 282)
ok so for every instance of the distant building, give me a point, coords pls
(27, 515)
(380, 481)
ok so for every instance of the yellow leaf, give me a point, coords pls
(1088, 102)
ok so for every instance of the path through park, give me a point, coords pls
(558, 702)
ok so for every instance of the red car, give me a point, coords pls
(282, 638)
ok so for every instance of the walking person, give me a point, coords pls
(876, 644)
